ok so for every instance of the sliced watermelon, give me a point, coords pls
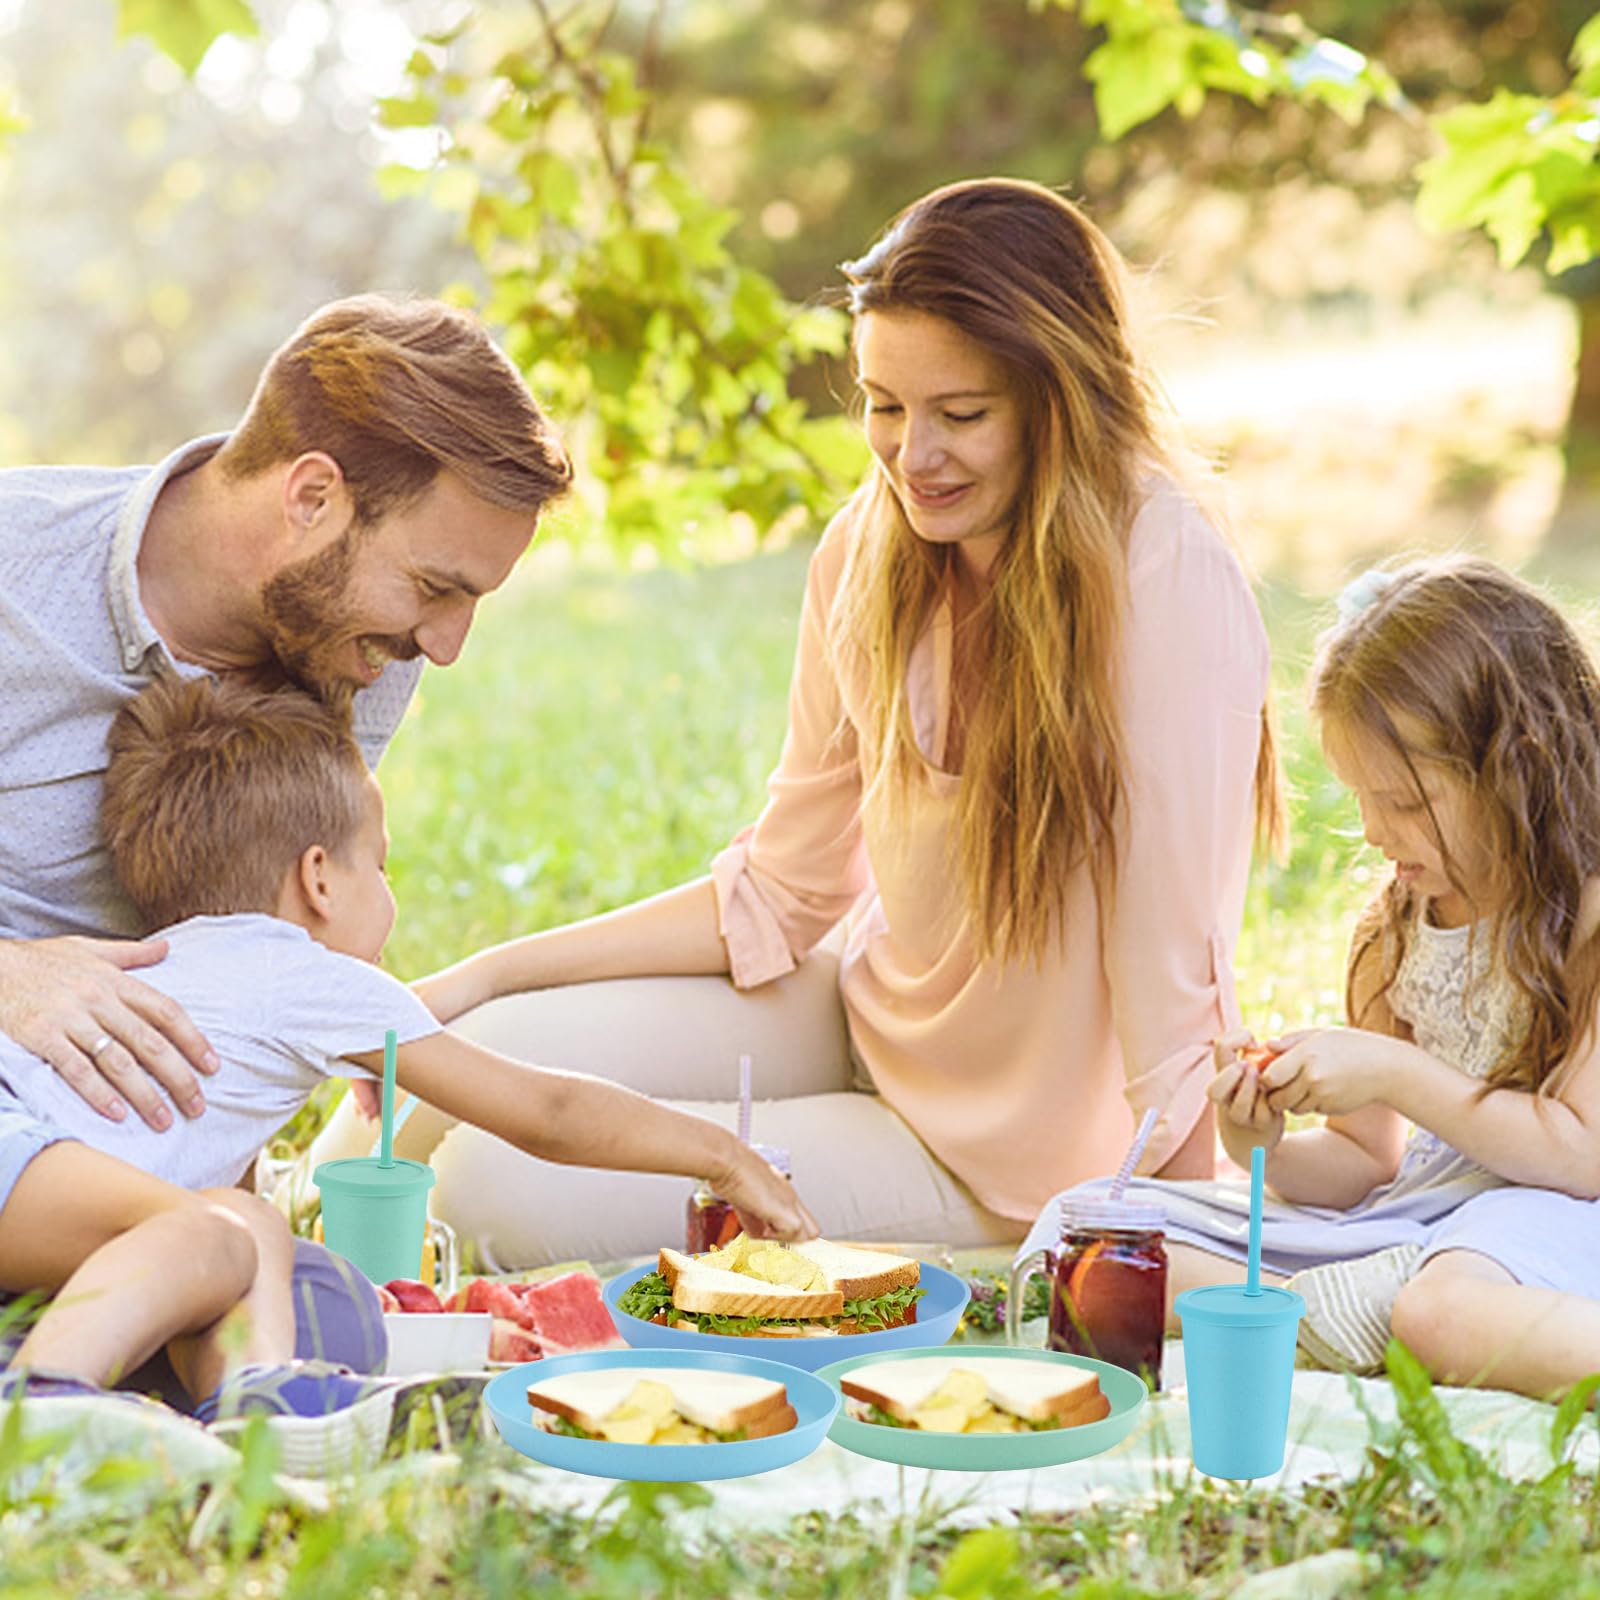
(568, 1315)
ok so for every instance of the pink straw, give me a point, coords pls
(744, 1099)
(1146, 1127)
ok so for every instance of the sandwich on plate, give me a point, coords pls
(757, 1288)
(661, 1405)
(973, 1394)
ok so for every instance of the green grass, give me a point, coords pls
(601, 739)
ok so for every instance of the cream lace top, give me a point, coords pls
(1463, 1008)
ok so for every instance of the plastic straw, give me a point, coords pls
(386, 1149)
(400, 1121)
(1135, 1150)
(1258, 1167)
(744, 1099)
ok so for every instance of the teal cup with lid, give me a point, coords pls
(1238, 1359)
(375, 1208)
(376, 1216)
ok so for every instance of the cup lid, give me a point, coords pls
(1095, 1211)
(1227, 1305)
(366, 1176)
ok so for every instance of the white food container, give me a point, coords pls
(437, 1341)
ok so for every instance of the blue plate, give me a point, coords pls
(815, 1403)
(938, 1312)
(996, 1452)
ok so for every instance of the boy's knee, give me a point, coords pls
(217, 1229)
(266, 1223)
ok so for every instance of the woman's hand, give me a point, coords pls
(1248, 1119)
(1330, 1072)
(764, 1199)
(110, 1038)
(458, 989)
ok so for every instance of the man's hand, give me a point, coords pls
(1328, 1071)
(71, 1002)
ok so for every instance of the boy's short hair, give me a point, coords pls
(215, 790)
(397, 390)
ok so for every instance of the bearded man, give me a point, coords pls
(389, 472)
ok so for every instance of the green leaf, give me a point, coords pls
(979, 1564)
(408, 111)
(397, 181)
(1136, 77)
(185, 29)
(1513, 216)
(1586, 57)
(1571, 1411)
(1573, 241)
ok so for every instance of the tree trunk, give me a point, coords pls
(1573, 538)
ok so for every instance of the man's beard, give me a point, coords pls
(309, 619)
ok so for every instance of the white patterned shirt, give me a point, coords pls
(75, 646)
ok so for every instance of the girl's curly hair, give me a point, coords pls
(1491, 683)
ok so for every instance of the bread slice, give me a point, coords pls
(860, 1274)
(1036, 1391)
(732, 1294)
(724, 1402)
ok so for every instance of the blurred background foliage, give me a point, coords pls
(649, 198)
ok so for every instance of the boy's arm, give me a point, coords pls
(670, 934)
(583, 1121)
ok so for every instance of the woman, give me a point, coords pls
(1027, 739)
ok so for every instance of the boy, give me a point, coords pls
(246, 826)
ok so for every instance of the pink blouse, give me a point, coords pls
(1023, 1079)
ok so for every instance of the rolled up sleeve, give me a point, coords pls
(1194, 682)
(783, 883)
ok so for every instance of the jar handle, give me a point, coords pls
(1036, 1261)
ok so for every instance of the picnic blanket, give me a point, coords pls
(1332, 1422)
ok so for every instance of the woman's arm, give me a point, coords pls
(772, 894)
(1192, 679)
(671, 934)
(582, 1121)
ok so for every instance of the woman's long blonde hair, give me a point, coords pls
(1457, 662)
(1023, 273)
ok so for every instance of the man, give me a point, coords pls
(388, 473)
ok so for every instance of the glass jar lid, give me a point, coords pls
(1096, 1212)
(775, 1156)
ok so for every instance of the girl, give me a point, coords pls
(1464, 713)
(1026, 745)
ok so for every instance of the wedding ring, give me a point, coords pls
(99, 1045)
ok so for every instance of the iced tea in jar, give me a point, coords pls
(711, 1221)
(1108, 1294)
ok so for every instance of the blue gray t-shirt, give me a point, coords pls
(282, 1013)
(75, 646)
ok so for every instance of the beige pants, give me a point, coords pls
(859, 1168)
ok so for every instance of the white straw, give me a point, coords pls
(744, 1099)
(1135, 1150)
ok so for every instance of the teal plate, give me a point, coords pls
(815, 1403)
(992, 1452)
(938, 1312)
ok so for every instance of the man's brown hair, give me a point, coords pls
(215, 790)
(396, 390)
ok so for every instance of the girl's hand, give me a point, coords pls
(1247, 1119)
(765, 1200)
(1327, 1071)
